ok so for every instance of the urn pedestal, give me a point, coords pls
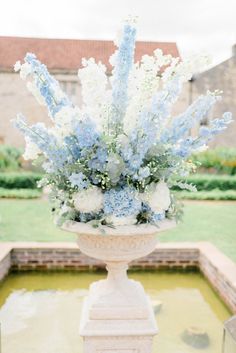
(117, 315)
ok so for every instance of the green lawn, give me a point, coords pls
(30, 220)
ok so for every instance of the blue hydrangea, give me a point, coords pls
(79, 180)
(157, 217)
(121, 202)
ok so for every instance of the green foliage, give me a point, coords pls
(10, 158)
(221, 160)
(209, 182)
(18, 180)
(20, 193)
(215, 194)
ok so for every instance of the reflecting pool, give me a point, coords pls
(40, 312)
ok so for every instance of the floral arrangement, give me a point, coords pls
(113, 160)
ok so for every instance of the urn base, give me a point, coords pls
(134, 335)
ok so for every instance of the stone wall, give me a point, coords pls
(221, 77)
(217, 268)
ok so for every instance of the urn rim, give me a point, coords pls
(125, 230)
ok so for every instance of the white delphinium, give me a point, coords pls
(25, 69)
(185, 69)
(89, 200)
(31, 149)
(36, 93)
(157, 196)
(95, 95)
(63, 119)
(143, 84)
(17, 66)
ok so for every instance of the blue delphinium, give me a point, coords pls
(182, 124)
(73, 146)
(121, 202)
(86, 133)
(188, 145)
(46, 142)
(124, 57)
(98, 160)
(48, 87)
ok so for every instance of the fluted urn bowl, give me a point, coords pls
(123, 243)
(117, 297)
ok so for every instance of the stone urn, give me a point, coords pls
(117, 315)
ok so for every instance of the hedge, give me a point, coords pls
(10, 158)
(220, 160)
(25, 180)
(20, 193)
(208, 195)
(208, 182)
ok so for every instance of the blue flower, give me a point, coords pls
(79, 180)
(48, 87)
(157, 217)
(46, 142)
(86, 133)
(98, 161)
(124, 57)
(121, 202)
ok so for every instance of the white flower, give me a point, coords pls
(17, 66)
(90, 200)
(121, 221)
(25, 70)
(31, 149)
(64, 117)
(34, 90)
(157, 196)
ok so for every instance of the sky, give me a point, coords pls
(197, 26)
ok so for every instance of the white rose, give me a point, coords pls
(121, 221)
(90, 200)
(157, 196)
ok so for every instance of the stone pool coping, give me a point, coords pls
(219, 270)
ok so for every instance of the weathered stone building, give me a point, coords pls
(222, 77)
(63, 58)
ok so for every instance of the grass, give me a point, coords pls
(30, 220)
(20, 193)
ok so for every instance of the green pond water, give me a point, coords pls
(40, 312)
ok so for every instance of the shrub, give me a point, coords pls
(211, 181)
(10, 158)
(221, 160)
(17, 180)
(20, 193)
